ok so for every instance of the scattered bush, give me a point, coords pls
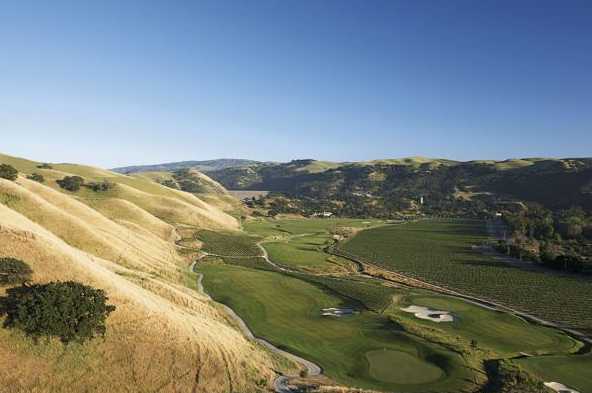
(44, 166)
(71, 183)
(189, 185)
(170, 184)
(8, 172)
(71, 311)
(14, 271)
(36, 177)
(103, 186)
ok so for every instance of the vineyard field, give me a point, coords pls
(441, 252)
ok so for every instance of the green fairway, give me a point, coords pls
(295, 226)
(232, 244)
(303, 240)
(305, 253)
(287, 311)
(503, 333)
(572, 371)
(394, 366)
(441, 252)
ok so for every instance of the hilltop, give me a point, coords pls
(384, 187)
(204, 166)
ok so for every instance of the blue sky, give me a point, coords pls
(113, 83)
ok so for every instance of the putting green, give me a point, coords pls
(501, 332)
(400, 367)
(287, 311)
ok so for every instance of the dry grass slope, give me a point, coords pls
(163, 336)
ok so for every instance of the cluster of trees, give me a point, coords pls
(186, 181)
(74, 183)
(11, 173)
(103, 186)
(449, 188)
(70, 311)
(8, 172)
(189, 182)
(36, 177)
(379, 190)
(561, 240)
(71, 183)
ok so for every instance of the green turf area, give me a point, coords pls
(572, 371)
(371, 293)
(232, 244)
(286, 311)
(284, 227)
(440, 252)
(250, 262)
(394, 366)
(504, 334)
(305, 253)
(302, 242)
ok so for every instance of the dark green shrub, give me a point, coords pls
(169, 183)
(71, 311)
(103, 186)
(189, 185)
(71, 183)
(8, 172)
(44, 166)
(14, 271)
(36, 177)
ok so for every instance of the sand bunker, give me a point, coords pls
(337, 312)
(559, 387)
(429, 314)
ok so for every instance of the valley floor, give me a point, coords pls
(322, 308)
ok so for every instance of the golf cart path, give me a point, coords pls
(280, 384)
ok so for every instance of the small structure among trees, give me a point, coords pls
(323, 214)
(8, 172)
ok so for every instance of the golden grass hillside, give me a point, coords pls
(163, 336)
(171, 206)
(211, 192)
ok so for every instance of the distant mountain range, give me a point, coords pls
(381, 187)
(203, 166)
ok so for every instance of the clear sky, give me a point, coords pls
(113, 83)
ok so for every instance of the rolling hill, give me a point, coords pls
(204, 166)
(163, 335)
(385, 186)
